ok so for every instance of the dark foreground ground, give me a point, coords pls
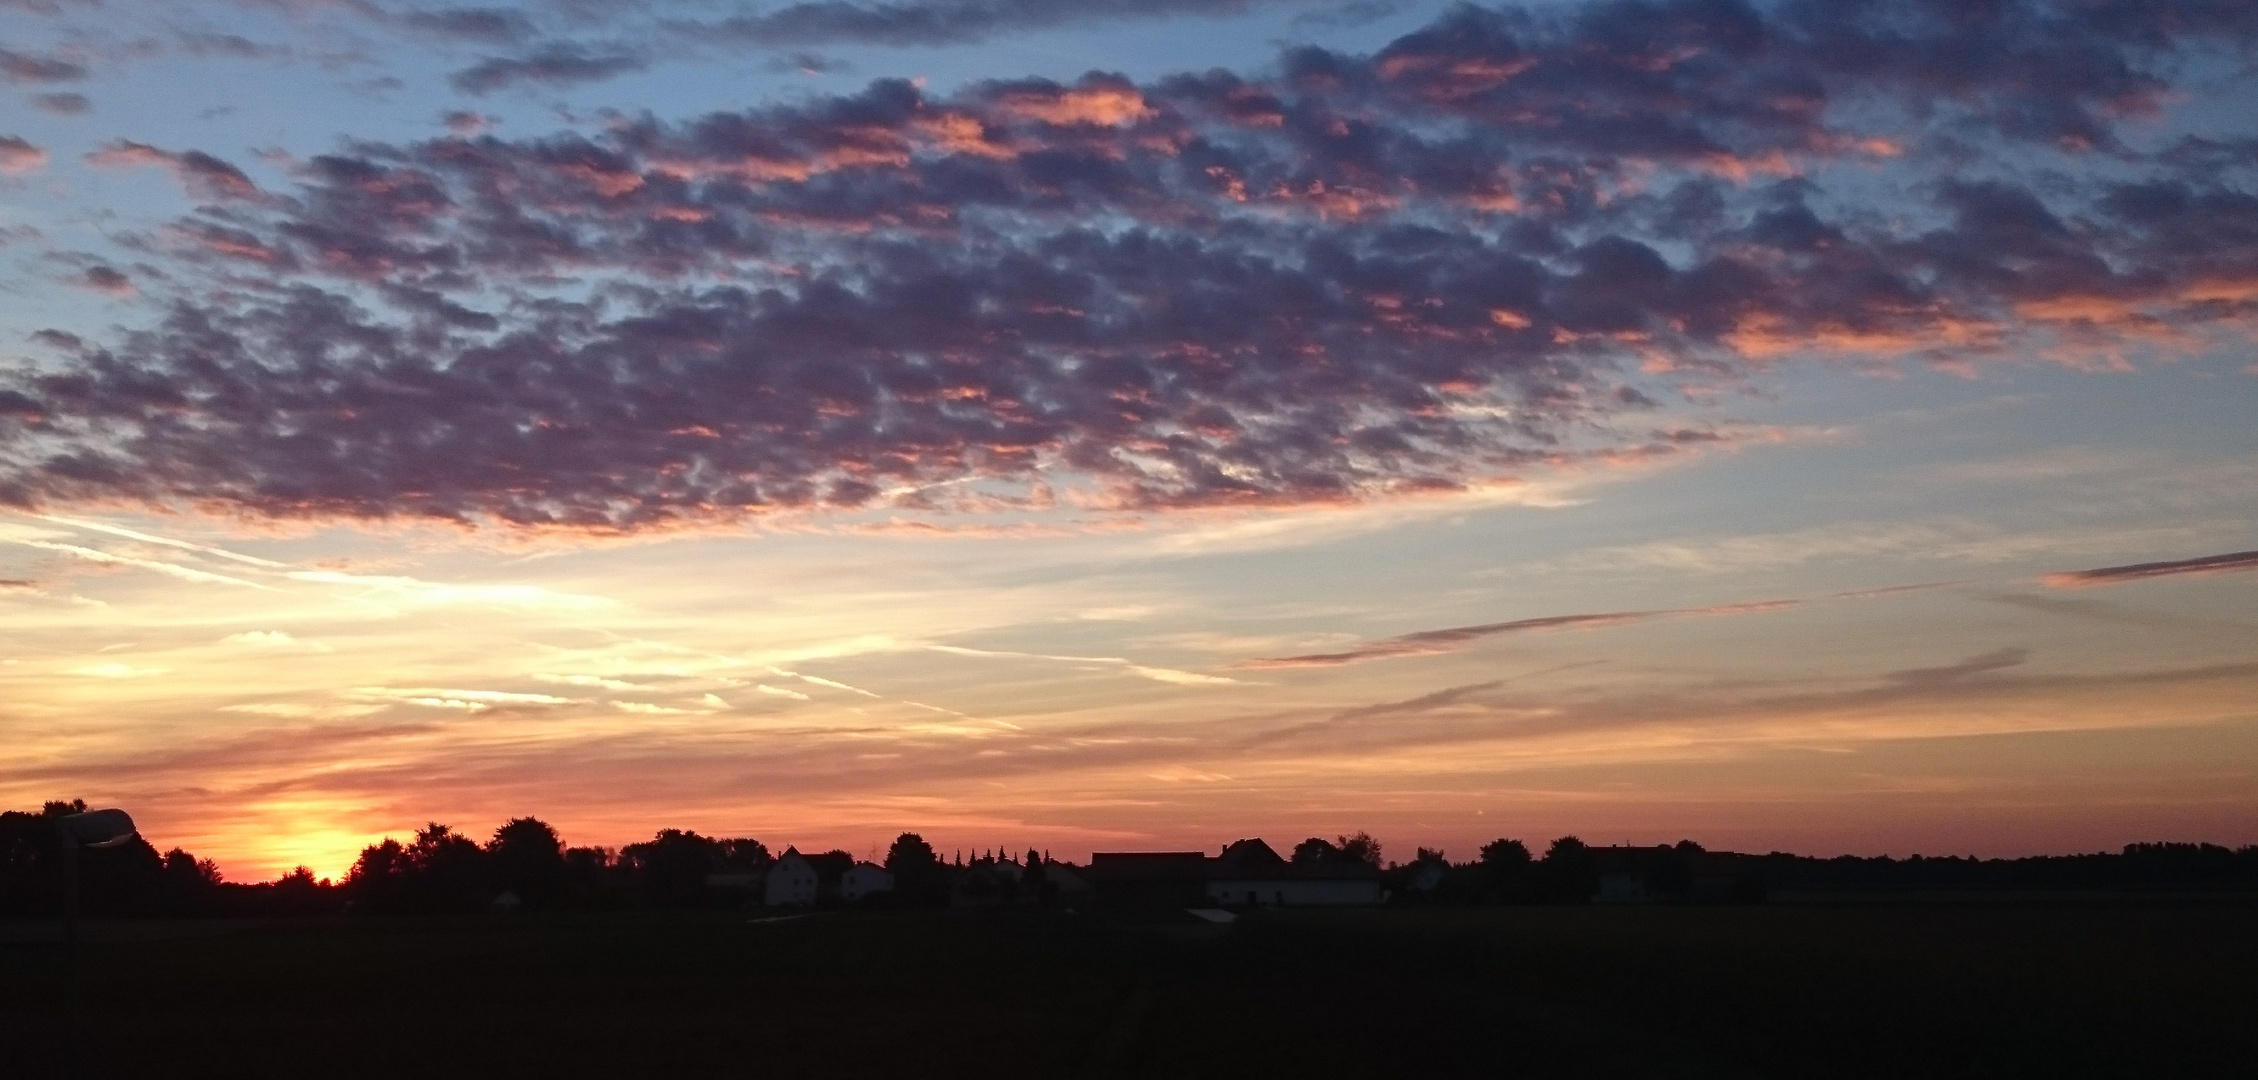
(2154, 988)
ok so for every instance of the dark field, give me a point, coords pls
(1937, 989)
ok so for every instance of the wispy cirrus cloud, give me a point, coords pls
(116, 670)
(419, 591)
(1172, 676)
(165, 541)
(2230, 562)
(1452, 639)
(1493, 730)
(275, 640)
(432, 697)
(184, 573)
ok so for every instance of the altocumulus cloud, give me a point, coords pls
(1493, 244)
(935, 22)
(18, 156)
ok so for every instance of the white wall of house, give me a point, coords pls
(1622, 889)
(1291, 892)
(790, 882)
(863, 879)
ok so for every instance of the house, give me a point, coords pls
(1427, 875)
(792, 881)
(1247, 873)
(1067, 885)
(802, 880)
(863, 879)
(1251, 873)
(1149, 878)
(1623, 888)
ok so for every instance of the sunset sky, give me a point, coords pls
(1798, 425)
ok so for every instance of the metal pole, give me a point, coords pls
(70, 956)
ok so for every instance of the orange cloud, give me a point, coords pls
(1103, 106)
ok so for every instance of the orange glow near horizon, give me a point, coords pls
(269, 715)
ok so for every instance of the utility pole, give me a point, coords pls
(94, 829)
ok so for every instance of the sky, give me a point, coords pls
(1792, 425)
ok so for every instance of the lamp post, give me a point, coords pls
(91, 829)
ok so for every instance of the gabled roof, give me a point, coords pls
(827, 865)
(1254, 852)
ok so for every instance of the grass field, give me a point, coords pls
(1940, 989)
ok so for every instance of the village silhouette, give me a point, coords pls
(691, 953)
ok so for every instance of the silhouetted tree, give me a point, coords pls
(919, 875)
(377, 884)
(1506, 855)
(592, 878)
(672, 866)
(1034, 882)
(527, 858)
(1504, 871)
(742, 855)
(191, 885)
(910, 856)
(1569, 873)
(442, 870)
(1360, 847)
(448, 871)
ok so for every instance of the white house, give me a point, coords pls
(1429, 876)
(792, 881)
(1069, 884)
(1623, 889)
(1295, 891)
(1250, 873)
(863, 879)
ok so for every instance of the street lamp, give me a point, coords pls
(91, 829)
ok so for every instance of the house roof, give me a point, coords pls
(1249, 853)
(827, 865)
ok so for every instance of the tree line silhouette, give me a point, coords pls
(440, 870)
